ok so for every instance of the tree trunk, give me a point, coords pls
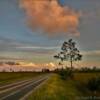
(71, 62)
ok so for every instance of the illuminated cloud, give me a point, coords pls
(50, 17)
(27, 66)
(36, 47)
(92, 53)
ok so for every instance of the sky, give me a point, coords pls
(33, 30)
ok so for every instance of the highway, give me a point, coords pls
(21, 90)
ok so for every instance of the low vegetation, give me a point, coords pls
(62, 85)
(88, 83)
(65, 73)
(77, 88)
(93, 85)
(56, 89)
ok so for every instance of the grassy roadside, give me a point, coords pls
(85, 82)
(56, 89)
(10, 77)
(84, 77)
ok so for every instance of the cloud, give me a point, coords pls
(92, 53)
(26, 66)
(37, 47)
(50, 17)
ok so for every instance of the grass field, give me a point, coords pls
(81, 80)
(54, 88)
(10, 77)
(57, 89)
(83, 77)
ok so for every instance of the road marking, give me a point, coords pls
(5, 86)
(26, 96)
(3, 91)
(33, 83)
(19, 85)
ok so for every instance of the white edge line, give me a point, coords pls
(26, 96)
(20, 90)
(9, 89)
(17, 82)
(21, 84)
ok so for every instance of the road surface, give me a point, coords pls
(20, 90)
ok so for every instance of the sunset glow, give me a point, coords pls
(32, 32)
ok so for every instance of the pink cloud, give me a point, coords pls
(50, 17)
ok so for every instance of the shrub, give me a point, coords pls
(93, 85)
(65, 73)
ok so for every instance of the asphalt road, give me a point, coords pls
(21, 90)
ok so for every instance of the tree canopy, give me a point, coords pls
(69, 52)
